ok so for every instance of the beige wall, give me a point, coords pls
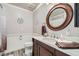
(12, 14)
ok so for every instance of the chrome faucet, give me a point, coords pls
(54, 36)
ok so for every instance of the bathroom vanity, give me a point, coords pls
(46, 47)
(42, 49)
(58, 18)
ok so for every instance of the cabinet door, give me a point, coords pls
(35, 48)
(44, 52)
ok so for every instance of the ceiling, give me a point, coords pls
(28, 6)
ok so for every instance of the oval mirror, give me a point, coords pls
(59, 16)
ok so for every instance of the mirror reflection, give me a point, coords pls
(57, 17)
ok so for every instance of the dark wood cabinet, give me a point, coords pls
(42, 49)
(35, 48)
(44, 52)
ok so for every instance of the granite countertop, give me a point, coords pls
(51, 42)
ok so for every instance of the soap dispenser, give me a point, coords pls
(43, 30)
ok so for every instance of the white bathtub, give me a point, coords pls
(14, 43)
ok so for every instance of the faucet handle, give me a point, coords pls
(54, 36)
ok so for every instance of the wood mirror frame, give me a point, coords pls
(69, 15)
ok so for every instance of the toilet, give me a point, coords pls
(28, 48)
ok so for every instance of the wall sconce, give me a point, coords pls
(20, 20)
